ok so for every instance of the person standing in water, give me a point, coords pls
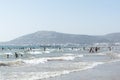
(16, 55)
(7, 55)
(96, 49)
(44, 48)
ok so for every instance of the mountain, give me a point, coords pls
(113, 37)
(51, 37)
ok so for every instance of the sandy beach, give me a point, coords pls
(109, 71)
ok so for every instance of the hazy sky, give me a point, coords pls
(93, 17)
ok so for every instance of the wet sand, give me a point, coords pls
(109, 71)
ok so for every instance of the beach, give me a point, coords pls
(109, 71)
(64, 64)
(59, 39)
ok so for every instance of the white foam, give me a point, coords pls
(44, 60)
(46, 51)
(96, 54)
(93, 65)
(62, 58)
(35, 61)
(86, 65)
(45, 75)
(79, 56)
(35, 52)
(31, 75)
(9, 53)
(68, 54)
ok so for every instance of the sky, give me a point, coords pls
(90, 17)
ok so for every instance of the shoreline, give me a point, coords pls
(108, 71)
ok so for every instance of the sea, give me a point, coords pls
(43, 63)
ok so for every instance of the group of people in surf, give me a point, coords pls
(94, 49)
(15, 54)
(90, 49)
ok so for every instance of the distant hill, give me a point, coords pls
(51, 37)
(113, 37)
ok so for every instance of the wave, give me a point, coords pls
(9, 53)
(45, 75)
(3, 64)
(113, 55)
(68, 54)
(63, 58)
(11, 63)
(66, 57)
(35, 60)
(46, 51)
(31, 75)
(38, 52)
(34, 52)
(74, 55)
(95, 54)
(44, 60)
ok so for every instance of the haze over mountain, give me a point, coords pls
(51, 37)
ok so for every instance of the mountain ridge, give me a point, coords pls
(53, 37)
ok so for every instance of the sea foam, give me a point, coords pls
(44, 60)
(45, 75)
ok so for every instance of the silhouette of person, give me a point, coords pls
(7, 55)
(16, 55)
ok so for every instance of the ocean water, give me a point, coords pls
(37, 64)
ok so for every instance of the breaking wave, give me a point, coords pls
(45, 75)
(43, 60)
(35, 60)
